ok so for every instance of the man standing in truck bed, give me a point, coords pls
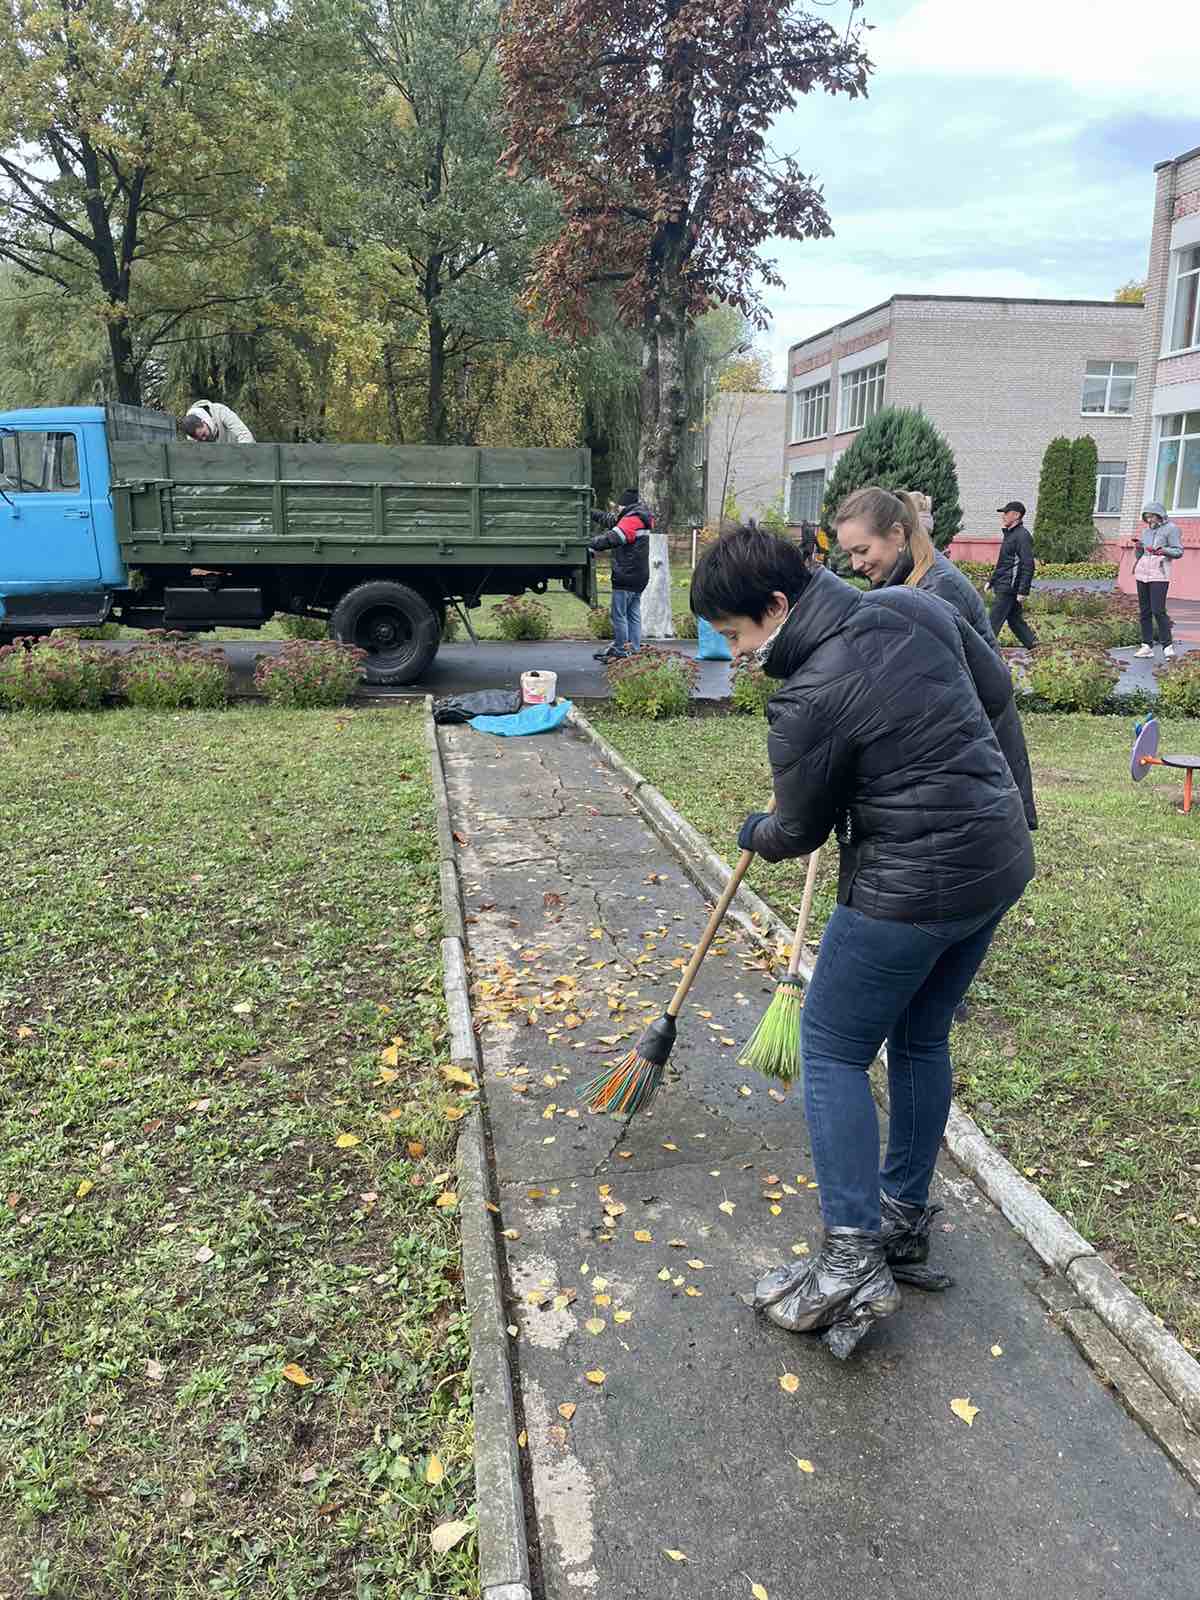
(209, 422)
(628, 537)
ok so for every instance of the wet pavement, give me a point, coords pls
(660, 1413)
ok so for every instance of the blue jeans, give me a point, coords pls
(876, 980)
(627, 620)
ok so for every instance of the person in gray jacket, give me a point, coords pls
(209, 422)
(1158, 545)
(884, 535)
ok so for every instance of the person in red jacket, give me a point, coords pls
(627, 535)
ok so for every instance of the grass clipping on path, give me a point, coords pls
(232, 1345)
(1081, 1054)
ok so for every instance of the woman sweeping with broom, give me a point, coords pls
(881, 733)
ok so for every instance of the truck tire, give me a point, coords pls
(395, 625)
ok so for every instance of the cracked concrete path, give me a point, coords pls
(653, 1231)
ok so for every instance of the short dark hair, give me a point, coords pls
(191, 424)
(737, 576)
(629, 497)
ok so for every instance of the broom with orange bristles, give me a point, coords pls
(774, 1047)
(632, 1083)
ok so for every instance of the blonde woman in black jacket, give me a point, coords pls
(883, 533)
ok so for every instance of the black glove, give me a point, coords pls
(745, 837)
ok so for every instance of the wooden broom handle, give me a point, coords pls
(806, 900)
(714, 922)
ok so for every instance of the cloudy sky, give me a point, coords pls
(1004, 149)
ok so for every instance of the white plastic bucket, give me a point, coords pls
(539, 688)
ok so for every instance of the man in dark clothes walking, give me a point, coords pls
(1010, 581)
(628, 537)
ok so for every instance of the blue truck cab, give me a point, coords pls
(60, 560)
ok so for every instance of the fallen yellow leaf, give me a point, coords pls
(415, 1148)
(728, 1207)
(789, 1383)
(759, 1593)
(447, 1200)
(965, 1410)
(434, 1470)
(693, 1292)
(457, 1075)
(675, 1555)
(595, 1324)
(643, 1236)
(447, 1534)
(665, 1275)
(346, 1141)
(85, 1187)
(390, 1057)
(567, 1410)
(296, 1374)
(597, 1375)
(696, 1263)
(997, 1349)
(622, 1316)
(522, 1439)
(805, 1466)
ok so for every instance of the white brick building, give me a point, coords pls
(1000, 378)
(1165, 441)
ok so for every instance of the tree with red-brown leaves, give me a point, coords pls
(651, 120)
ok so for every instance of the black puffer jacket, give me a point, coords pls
(948, 583)
(881, 730)
(1014, 569)
(629, 540)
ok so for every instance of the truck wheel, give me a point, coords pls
(395, 625)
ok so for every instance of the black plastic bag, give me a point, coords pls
(484, 703)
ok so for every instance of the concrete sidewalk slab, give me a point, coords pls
(575, 913)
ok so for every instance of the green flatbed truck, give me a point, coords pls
(113, 517)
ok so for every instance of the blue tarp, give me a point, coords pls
(712, 646)
(530, 719)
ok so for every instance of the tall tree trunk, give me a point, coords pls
(126, 374)
(393, 394)
(436, 423)
(664, 421)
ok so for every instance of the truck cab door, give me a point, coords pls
(47, 533)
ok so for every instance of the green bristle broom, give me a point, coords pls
(632, 1083)
(774, 1047)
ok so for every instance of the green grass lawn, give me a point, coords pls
(1081, 1058)
(215, 925)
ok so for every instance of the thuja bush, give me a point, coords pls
(167, 674)
(1179, 688)
(653, 683)
(522, 617)
(600, 623)
(751, 688)
(309, 673)
(1072, 680)
(55, 675)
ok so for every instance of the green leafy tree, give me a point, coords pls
(137, 144)
(1132, 293)
(899, 448)
(1053, 501)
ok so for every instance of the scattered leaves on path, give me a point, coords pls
(567, 1410)
(789, 1383)
(965, 1410)
(596, 1376)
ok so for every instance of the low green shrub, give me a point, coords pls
(522, 617)
(1086, 604)
(686, 625)
(1072, 680)
(751, 688)
(1179, 687)
(653, 683)
(55, 675)
(166, 675)
(1046, 569)
(308, 673)
(304, 627)
(1119, 632)
(100, 630)
(599, 623)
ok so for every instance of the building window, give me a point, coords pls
(810, 415)
(862, 396)
(1185, 321)
(1110, 488)
(1108, 388)
(1177, 481)
(807, 490)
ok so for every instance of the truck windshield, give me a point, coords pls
(33, 461)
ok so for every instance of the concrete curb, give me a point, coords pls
(500, 1502)
(1046, 1230)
